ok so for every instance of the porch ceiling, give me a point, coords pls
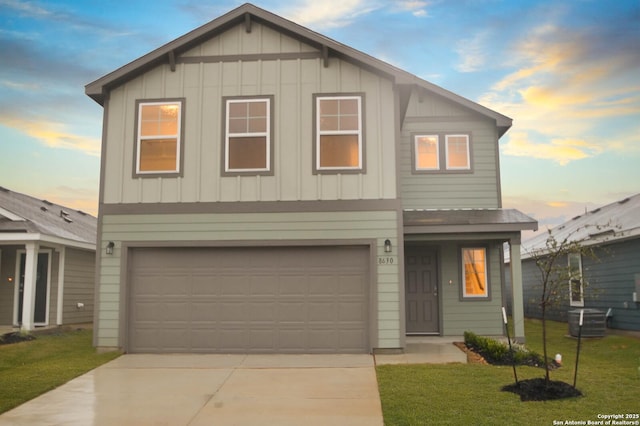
(466, 220)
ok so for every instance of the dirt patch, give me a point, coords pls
(15, 337)
(539, 390)
(472, 357)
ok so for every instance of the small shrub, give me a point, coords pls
(498, 353)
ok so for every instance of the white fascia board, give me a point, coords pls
(21, 238)
(11, 216)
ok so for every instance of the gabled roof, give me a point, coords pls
(24, 218)
(247, 13)
(612, 223)
(466, 220)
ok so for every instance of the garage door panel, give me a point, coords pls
(241, 300)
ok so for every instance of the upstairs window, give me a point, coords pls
(474, 273)
(427, 152)
(338, 133)
(441, 153)
(248, 137)
(158, 137)
(457, 152)
(576, 288)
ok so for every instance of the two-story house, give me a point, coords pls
(267, 189)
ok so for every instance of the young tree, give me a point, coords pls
(560, 278)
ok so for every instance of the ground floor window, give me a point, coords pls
(474, 272)
(576, 291)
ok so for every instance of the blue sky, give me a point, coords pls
(567, 72)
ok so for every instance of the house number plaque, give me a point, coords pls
(385, 260)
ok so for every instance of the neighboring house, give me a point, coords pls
(268, 189)
(47, 262)
(610, 281)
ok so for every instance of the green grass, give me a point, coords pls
(469, 394)
(31, 368)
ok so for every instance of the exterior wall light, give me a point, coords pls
(387, 246)
(110, 247)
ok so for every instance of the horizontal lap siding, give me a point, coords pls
(610, 285)
(249, 227)
(479, 316)
(79, 286)
(292, 82)
(478, 189)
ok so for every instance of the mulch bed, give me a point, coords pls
(472, 356)
(15, 337)
(539, 390)
(531, 389)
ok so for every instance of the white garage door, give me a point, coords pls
(249, 300)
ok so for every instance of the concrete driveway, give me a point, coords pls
(213, 390)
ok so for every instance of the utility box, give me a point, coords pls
(594, 323)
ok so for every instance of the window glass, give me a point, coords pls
(474, 268)
(339, 133)
(247, 141)
(457, 147)
(576, 291)
(427, 153)
(158, 147)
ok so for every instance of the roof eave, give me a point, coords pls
(98, 89)
(21, 238)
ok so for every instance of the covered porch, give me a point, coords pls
(454, 271)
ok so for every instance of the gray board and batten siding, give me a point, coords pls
(292, 83)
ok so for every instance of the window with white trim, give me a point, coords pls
(576, 287)
(441, 153)
(158, 137)
(475, 283)
(339, 133)
(457, 152)
(427, 152)
(247, 142)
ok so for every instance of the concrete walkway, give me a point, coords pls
(426, 350)
(213, 390)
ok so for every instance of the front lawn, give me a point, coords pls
(462, 394)
(31, 368)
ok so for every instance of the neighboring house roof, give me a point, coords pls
(467, 220)
(168, 54)
(24, 218)
(614, 222)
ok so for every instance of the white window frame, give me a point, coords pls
(486, 274)
(320, 133)
(177, 136)
(417, 156)
(446, 145)
(16, 281)
(228, 135)
(579, 303)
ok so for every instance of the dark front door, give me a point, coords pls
(42, 278)
(421, 286)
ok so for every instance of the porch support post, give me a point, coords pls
(516, 289)
(60, 299)
(29, 291)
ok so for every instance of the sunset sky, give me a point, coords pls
(567, 72)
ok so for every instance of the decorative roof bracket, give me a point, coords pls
(172, 60)
(325, 55)
(247, 22)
